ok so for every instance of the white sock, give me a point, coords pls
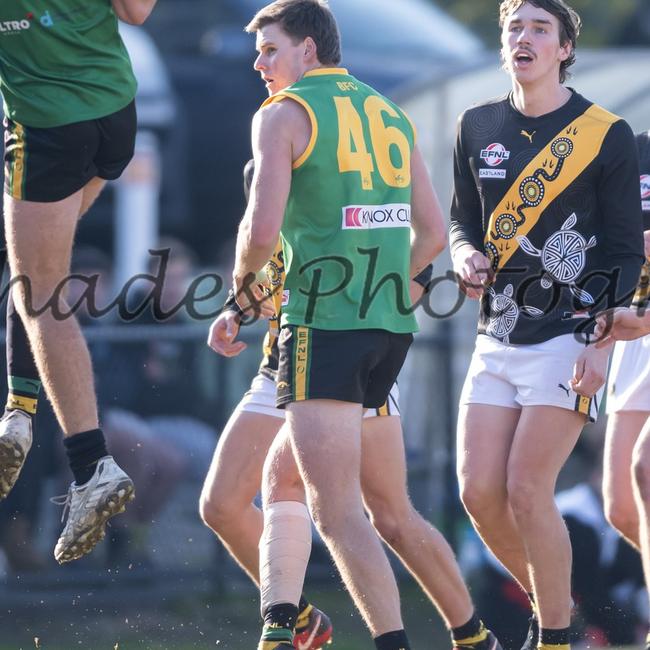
(285, 547)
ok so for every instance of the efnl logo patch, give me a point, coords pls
(645, 192)
(391, 215)
(493, 155)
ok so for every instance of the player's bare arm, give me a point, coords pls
(134, 12)
(279, 131)
(621, 324)
(429, 232)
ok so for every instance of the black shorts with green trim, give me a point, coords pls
(357, 366)
(51, 164)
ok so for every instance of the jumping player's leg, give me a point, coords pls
(43, 201)
(22, 375)
(623, 430)
(23, 380)
(39, 240)
(544, 438)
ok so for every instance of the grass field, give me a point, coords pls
(230, 622)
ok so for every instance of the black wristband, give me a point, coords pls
(423, 278)
(231, 304)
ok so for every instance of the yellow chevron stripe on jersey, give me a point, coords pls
(552, 170)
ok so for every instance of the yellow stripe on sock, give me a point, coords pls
(26, 404)
(549, 646)
(473, 640)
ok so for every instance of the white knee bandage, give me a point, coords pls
(285, 546)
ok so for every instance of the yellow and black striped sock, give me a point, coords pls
(554, 639)
(23, 394)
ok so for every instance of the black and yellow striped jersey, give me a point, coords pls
(275, 273)
(554, 203)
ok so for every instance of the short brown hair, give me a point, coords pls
(300, 19)
(568, 18)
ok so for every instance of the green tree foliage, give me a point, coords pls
(603, 21)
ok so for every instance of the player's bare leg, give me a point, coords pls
(39, 240)
(544, 438)
(233, 480)
(623, 429)
(24, 382)
(227, 506)
(420, 547)
(91, 191)
(641, 472)
(485, 435)
(284, 550)
(326, 440)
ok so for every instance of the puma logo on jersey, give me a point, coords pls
(564, 388)
(528, 135)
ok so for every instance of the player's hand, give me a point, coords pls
(473, 270)
(621, 324)
(590, 371)
(223, 332)
(646, 243)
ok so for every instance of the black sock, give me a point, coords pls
(471, 629)
(84, 450)
(303, 604)
(392, 641)
(279, 621)
(560, 637)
